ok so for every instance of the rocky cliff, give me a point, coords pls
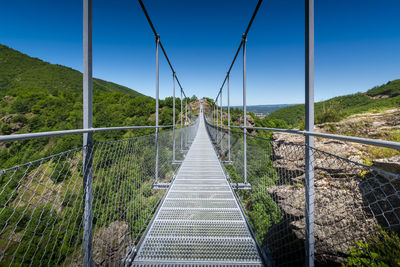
(351, 199)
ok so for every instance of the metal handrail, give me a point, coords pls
(353, 139)
(244, 36)
(360, 140)
(28, 136)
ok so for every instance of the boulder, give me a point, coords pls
(351, 200)
(339, 216)
(16, 126)
(7, 98)
(388, 164)
(7, 118)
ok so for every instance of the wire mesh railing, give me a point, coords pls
(353, 202)
(42, 201)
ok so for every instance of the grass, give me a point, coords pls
(338, 108)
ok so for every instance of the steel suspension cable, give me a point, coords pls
(244, 36)
(160, 43)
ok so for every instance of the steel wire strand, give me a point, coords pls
(351, 199)
(111, 161)
(122, 194)
(367, 198)
(78, 222)
(116, 179)
(34, 205)
(123, 214)
(52, 234)
(67, 204)
(24, 211)
(101, 174)
(53, 208)
(111, 170)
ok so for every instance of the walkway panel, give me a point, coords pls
(199, 222)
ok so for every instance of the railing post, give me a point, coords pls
(216, 118)
(87, 137)
(213, 113)
(173, 119)
(221, 135)
(217, 135)
(186, 123)
(309, 126)
(229, 121)
(181, 131)
(244, 112)
(157, 104)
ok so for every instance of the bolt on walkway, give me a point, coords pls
(199, 223)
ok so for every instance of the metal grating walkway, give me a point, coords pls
(199, 222)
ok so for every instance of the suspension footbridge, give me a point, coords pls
(200, 222)
(199, 192)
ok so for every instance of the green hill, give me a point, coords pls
(19, 71)
(38, 96)
(335, 109)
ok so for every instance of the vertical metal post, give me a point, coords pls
(157, 96)
(309, 126)
(173, 119)
(186, 114)
(87, 137)
(229, 121)
(186, 123)
(244, 112)
(213, 113)
(217, 137)
(221, 134)
(181, 132)
(215, 121)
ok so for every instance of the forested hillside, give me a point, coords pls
(38, 96)
(335, 109)
(264, 109)
(22, 72)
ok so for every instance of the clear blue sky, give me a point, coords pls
(357, 43)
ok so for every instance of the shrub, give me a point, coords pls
(6, 129)
(20, 105)
(70, 198)
(60, 171)
(35, 123)
(20, 118)
(381, 249)
(330, 113)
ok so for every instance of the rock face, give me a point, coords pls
(339, 215)
(7, 119)
(339, 148)
(388, 164)
(110, 244)
(372, 125)
(351, 200)
(7, 98)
